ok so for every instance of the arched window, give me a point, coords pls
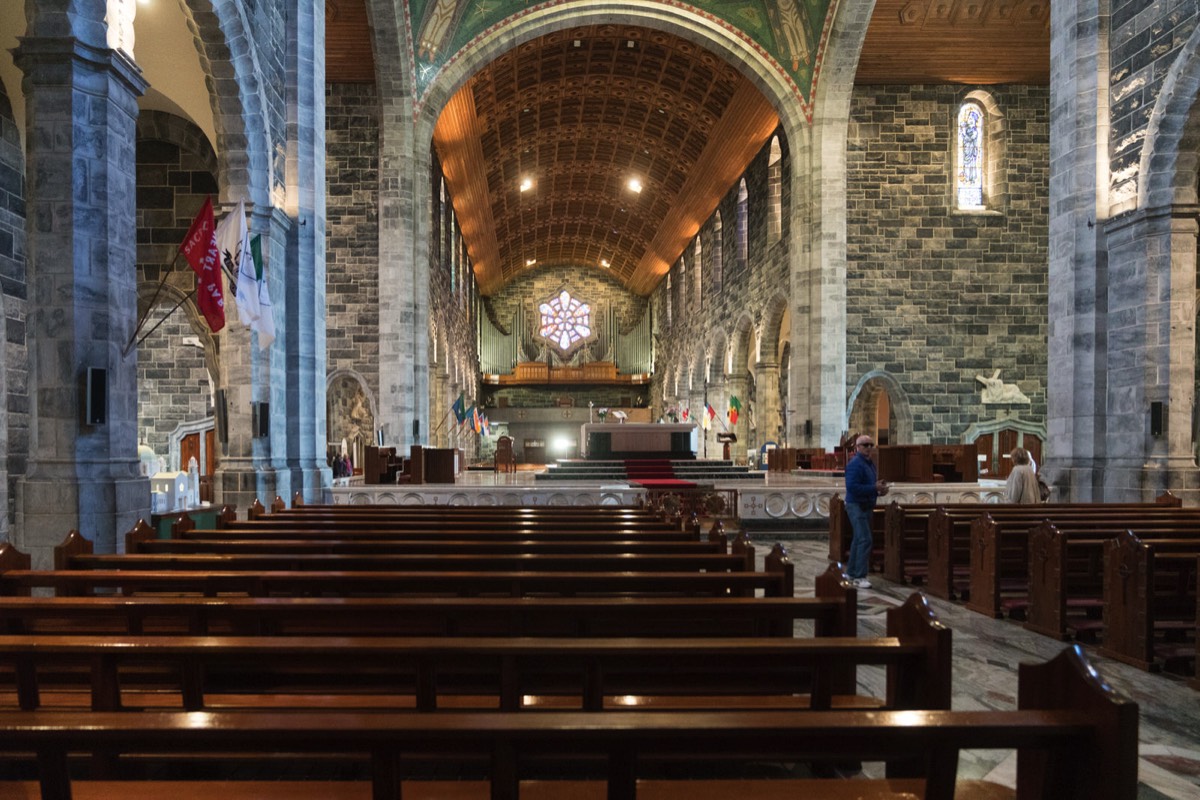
(683, 286)
(774, 193)
(698, 268)
(969, 162)
(743, 226)
(667, 296)
(453, 255)
(439, 202)
(718, 253)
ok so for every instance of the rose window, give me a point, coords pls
(565, 320)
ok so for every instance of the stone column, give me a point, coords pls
(304, 290)
(770, 414)
(1076, 384)
(1151, 355)
(247, 469)
(81, 130)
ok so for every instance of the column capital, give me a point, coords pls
(38, 56)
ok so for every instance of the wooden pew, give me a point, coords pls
(1149, 589)
(777, 580)
(199, 672)
(1076, 740)
(1009, 557)
(906, 527)
(1066, 573)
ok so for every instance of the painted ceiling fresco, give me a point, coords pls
(787, 32)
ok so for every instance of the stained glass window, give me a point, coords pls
(565, 320)
(970, 156)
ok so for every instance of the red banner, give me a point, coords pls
(200, 249)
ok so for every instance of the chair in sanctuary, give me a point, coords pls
(505, 460)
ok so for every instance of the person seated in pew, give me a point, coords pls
(1022, 486)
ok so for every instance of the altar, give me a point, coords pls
(610, 440)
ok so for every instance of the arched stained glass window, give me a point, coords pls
(775, 192)
(743, 226)
(970, 156)
(718, 253)
(565, 320)
(698, 266)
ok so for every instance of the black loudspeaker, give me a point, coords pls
(222, 418)
(260, 419)
(416, 429)
(379, 437)
(95, 401)
(1156, 419)
(808, 427)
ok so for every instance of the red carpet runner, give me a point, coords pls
(654, 473)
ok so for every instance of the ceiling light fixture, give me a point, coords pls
(526, 184)
(604, 263)
(529, 262)
(635, 185)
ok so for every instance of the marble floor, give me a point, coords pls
(986, 653)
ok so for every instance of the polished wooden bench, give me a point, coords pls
(1075, 741)
(831, 612)
(775, 580)
(107, 672)
(1150, 591)
(1009, 556)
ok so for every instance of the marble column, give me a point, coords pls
(81, 130)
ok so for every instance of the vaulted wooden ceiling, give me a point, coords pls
(581, 112)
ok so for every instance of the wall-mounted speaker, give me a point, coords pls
(222, 417)
(808, 427)
(95, 396)
(260, 419)
(1156, 418)
(416, 430)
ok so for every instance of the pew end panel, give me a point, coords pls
(915, 622)
(1068, 681)
(778, 562)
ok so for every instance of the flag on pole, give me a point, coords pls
(734, 407)
(200, 249)
(264, 324)
(460, 407)
(476, 422)
(467, 415)
(684, 414)
(707, 417)
(487, 425)
(233, 243)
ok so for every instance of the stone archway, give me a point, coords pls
(350, 413)
(879, 399)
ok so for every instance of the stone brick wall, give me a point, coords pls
(352, 231)
(12, 284)
(175, 173)
(934, 296)
(173, 381)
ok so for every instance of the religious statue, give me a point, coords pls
(996, 391)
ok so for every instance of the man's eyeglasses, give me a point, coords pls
(866, 444)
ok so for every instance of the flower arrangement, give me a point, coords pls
(602, 413)
(672, 414)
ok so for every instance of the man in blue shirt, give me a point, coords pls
(863, 488)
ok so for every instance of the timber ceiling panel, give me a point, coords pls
(582, 111)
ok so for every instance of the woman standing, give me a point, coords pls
(1022, 486)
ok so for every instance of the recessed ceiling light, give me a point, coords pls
(526, 184)
(529, 262)
(635, 185)
(578, 43)
(630, 43)
(604, 263)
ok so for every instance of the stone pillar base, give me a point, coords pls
(101, 510)
(1133, 482)
(240, 486)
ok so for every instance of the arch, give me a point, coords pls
(740, 344)
(774, 192)
(718, 253)
(245, 154)
(771, 327)
(743, 226)
(864, 402)
(350, 411)
(170, 295)
(1170, 158)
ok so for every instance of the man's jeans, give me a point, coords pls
(862, 543)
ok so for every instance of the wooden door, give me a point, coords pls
(1007, 443)
(189, 448)
(209, 465)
